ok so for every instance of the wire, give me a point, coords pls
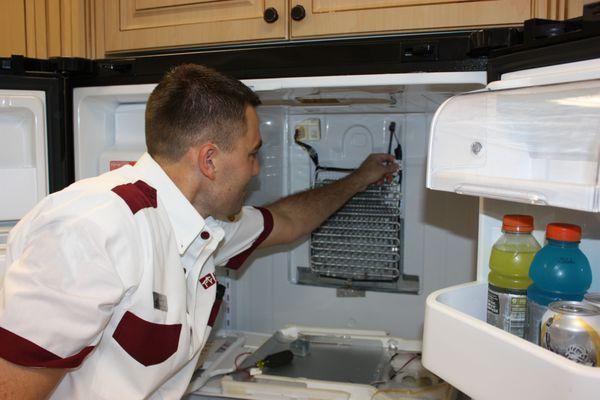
(237, 367)
(418, 355)
(392, 129)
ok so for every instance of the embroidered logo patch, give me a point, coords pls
(208, 280)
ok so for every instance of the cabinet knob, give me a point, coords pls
(270, 15)
(298, 13)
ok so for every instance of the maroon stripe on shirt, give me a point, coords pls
(236, 262)
(138, 195)
(18, 350)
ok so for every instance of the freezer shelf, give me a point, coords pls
(489, 364)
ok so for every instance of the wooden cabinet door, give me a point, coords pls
(351, 17)
(12, 29)
(153, 24)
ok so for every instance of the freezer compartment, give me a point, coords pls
(536, 145)
(488, 363)
(354, 115)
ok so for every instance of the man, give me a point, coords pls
(110, 289)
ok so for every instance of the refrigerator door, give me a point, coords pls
(50, 79)
(536, 144)
(531, 137)
(36, 151)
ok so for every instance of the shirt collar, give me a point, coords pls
(186, 221)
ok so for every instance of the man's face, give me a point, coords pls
(241, 164)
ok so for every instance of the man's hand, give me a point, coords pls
(301, 213)
(375, 168)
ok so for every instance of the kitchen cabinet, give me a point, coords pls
(155, 24)
(137, 25)
(46, 28)
(315, 18)
(12, 29)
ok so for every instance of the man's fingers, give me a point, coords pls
(383, 157)
(393, 167)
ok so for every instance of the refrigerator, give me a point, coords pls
(488, 122)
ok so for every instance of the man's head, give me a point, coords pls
(202, 127)
(194, 104)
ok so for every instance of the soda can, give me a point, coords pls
(592, 298)
(571, 329)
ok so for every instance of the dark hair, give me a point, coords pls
(191, 104)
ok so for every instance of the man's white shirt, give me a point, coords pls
(113, 278)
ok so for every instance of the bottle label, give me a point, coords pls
(506, 309)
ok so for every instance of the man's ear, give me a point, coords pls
(207, 154)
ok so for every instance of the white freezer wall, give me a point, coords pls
(108, 125)
(440, 245)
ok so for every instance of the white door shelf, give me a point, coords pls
(537, 145)
(23, 158)
(489, 364)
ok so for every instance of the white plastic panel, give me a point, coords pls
(575, 71)
(261, 296)
(537, 145)
(361, 81)
(23, 160)
(488, 363)
(108, 127)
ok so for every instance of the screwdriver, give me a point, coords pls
(276, 360)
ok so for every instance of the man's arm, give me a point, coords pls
(17, 382)
(301, 213)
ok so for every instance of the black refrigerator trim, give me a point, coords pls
(561, 53)
(417, 53)
(59, 123)
(543, 42)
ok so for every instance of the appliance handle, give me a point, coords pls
(499, 193)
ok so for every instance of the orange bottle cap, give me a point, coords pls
(563, 232)
(517, 223)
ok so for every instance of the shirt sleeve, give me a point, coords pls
(243, 235)
(59, 291)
